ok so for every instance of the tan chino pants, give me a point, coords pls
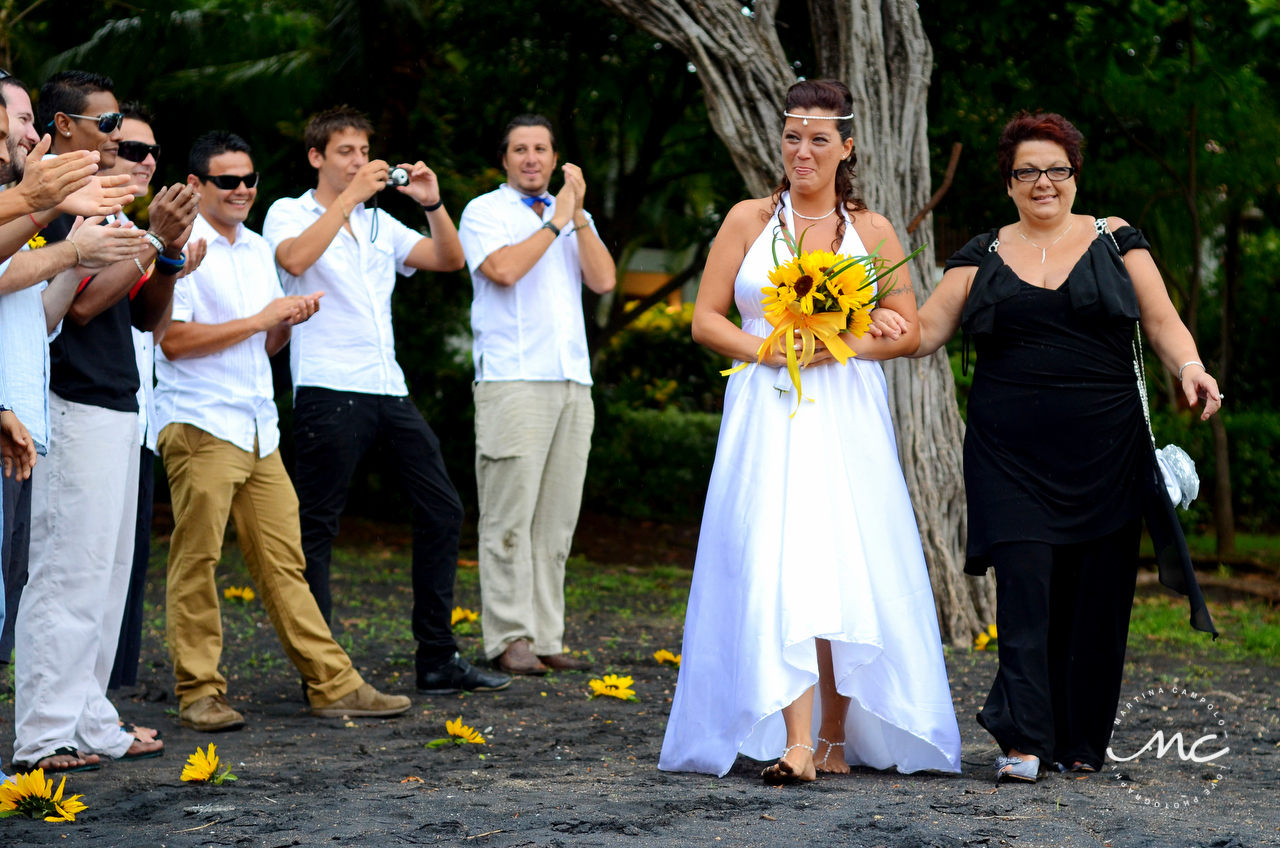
(210, 479)
(532, 441)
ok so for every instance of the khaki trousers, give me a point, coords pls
(210, 479)
(532, 441)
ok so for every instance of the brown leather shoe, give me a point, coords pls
(366, 702)
(211, 714)
(518, 658)
(564, 662)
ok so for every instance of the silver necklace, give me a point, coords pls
(1044, 251)
(809, 218)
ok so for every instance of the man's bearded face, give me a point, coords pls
(12, 172)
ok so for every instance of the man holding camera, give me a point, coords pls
(349, 390)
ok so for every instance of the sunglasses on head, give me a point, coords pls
(137, 151)
(108, 122)
(230, 182)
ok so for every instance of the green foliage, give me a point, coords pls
(1250, 629)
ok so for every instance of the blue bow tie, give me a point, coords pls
(545, 200)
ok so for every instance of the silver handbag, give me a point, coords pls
(1177, 469)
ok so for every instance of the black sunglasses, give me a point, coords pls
(108, 122)
(1031, 175)
(229, 182)
(137, 151)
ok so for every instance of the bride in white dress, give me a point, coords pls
(809, 570)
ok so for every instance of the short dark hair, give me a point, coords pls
(213, 144)
(68, 92)
(322, 126)
(3, 103)
(15, 82)
(136, 111)
(524, 121)
(1039, 126)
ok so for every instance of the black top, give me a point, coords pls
(95, 364)
(1056, 449)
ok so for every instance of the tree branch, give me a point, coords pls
(942, 189)
(628, 315)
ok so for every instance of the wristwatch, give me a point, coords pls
(552, 227)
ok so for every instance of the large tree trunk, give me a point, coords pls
(879, 49)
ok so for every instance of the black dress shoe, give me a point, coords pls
(458, 675)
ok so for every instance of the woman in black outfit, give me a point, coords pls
(1059, 464)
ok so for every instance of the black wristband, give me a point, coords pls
(433, 207)
(552, 227)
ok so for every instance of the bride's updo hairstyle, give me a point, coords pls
(830, 96)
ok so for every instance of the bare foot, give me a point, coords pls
(144, 734)
(140, 747)
(796, 766)
(62, 762)
(830, 756)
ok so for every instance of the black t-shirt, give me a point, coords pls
(95, 364)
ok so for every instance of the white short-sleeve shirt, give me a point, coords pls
(348, 345)
(228, 394)
(533, 330)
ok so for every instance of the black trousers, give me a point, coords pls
(332, 431)
(14, 555)
(125, 670)
(1062, 617)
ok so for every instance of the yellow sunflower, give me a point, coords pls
(202, 767)
(614, 687)
(31, 795)
(463, 734)
(665, 656)
(460, 614)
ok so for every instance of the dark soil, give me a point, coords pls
(560, 769)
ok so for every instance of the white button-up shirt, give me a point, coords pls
(228, 394)
(24, 358)
(348, 345)
(533, 330)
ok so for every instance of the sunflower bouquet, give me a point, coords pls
(817, 296)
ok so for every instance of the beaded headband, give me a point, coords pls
(848, 117)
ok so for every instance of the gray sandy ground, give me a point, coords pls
(562, 770)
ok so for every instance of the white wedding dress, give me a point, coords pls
(808, 532)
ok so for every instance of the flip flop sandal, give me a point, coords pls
(133, 728)
(60, 752)
(1082, 768)
(145, 755)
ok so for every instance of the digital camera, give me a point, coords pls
(398, 177)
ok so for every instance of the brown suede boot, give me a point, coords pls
(211, 714)
(366, 702)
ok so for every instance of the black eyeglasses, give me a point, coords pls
(108, 122)
(230, 182)
(1030, 175)
(138, 151)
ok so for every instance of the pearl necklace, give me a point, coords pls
(809, 218)
(1044, 251)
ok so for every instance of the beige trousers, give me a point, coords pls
(210, 479)
(532, 441)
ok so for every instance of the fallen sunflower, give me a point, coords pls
(464, 615)
(613, 686)
(202, 767)
(459, 734)
(665, 656)
(36, 242)
(31, 795)
(985, 638)
(246, 594)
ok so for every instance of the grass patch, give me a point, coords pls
(1250, 630)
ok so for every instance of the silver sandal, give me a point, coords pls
(829, 745)
(1017, 768)
(775, 776)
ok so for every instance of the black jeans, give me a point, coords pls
(15, 555)
(125, 670)
(1062, 617)
(332, 431)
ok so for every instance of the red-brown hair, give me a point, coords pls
(1039, 126)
